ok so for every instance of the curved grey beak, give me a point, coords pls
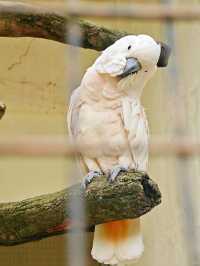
(132, 66)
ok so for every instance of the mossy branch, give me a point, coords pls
(131, 196)
(39, 21)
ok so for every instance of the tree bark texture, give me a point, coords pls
(39, 21)
(132, 195)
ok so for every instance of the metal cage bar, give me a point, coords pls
(135, 11)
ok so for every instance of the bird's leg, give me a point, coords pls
(88, 178)
(116, 171)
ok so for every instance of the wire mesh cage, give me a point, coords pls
(34, 127)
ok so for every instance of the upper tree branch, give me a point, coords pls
(131, 196)
(25, 20)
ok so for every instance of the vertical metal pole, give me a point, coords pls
(182, 167)
(76, 241)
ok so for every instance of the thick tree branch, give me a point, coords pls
(25, 20)
(131, 196)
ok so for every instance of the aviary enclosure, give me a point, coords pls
(38, 71)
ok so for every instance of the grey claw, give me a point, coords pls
(115, 172)
(89, 177)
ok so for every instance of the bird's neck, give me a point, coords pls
(134, 92)
(133, 85)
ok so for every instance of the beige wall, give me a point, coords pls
(33, 84)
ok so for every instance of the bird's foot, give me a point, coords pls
(115, 172)
(88, 178)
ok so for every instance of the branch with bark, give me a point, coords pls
(39, 21)
(132, 195)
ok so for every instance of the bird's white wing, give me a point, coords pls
(73, 123)
(110, 62)
(73, 113)
(135, 124)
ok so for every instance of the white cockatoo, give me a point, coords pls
(106, 107)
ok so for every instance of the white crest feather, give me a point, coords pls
(110, 62)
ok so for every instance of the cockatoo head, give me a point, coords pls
(133, 58)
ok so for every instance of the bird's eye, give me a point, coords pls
(129, 47)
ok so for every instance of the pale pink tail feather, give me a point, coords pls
(118, 242)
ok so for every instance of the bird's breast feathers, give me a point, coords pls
(112, 126)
